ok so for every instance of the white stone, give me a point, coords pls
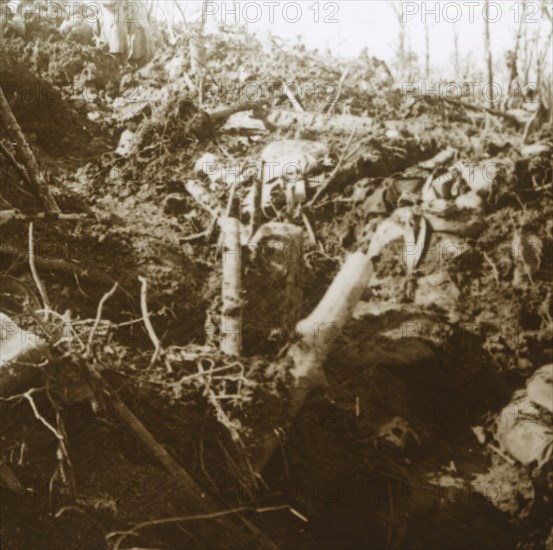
(540, 387)
(469, 201)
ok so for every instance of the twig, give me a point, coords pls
(202, 234)
(502, 454)
(164, 521)
(105, 297)
(146, 318)
(292, 98)
(34, 272)
(339, 93)
(493, 266)
(201, 373)
(28, 396)
(332, 175)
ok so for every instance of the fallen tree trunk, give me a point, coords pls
(466, 105)
(285, 119)
(319, 122)
(317, 334)
(26, 157)
(58, 266)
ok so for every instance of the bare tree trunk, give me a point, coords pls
(26, 157)
(513, 74)
(528, 57)
(401, 53)
(547, 10)
(198, 54)
(456, 62)
(427, 51)
(488, 52)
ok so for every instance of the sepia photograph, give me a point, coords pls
(276, 275)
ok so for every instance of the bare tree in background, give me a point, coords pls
(547, 10)
(456, 60)
(512, 60)
(488, 52)
(401, 53)
(427, 50)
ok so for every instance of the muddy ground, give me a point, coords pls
(386, 455)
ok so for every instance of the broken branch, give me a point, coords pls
(35, 178)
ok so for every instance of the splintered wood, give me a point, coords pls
(310, 352)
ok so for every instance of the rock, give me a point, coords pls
(535, 149)
(540, 387)
(20, 351)
(126, 142)
(243, 121)
(293, 159)
(439, 291)
(93, 116)
(529, 442)
(469, 201)
(217, 172)
(206, 164)
(523, 434)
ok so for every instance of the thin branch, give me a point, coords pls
(104, 299)
(146, 318)
(34, 272)
(332, 175)
(164, 521)
(339, 92)
(28, 396)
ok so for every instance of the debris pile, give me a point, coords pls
(282, 288)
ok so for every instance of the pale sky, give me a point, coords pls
(347, 26)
